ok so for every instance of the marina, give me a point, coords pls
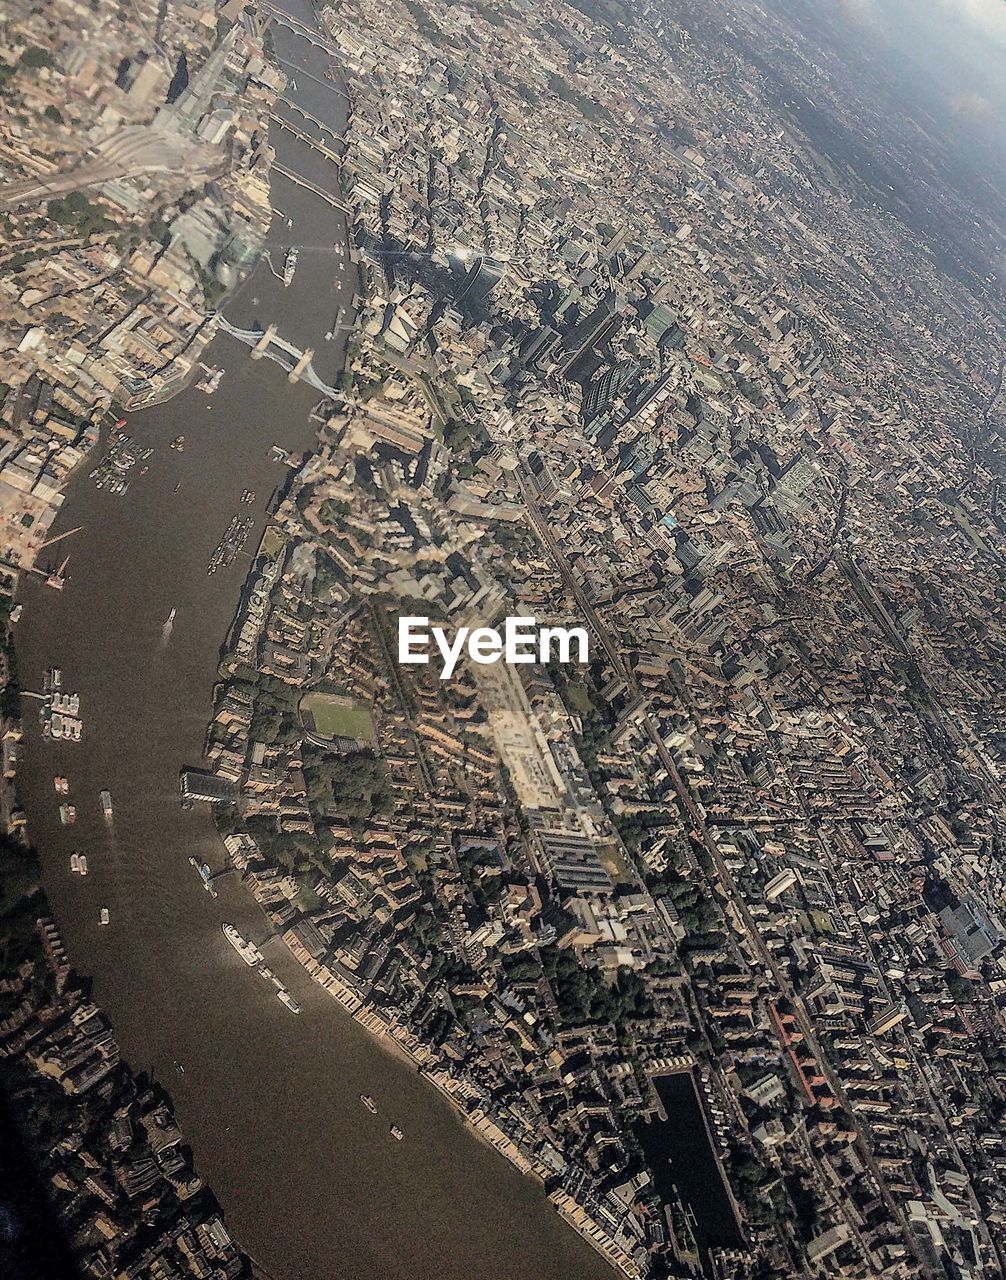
(59, 714)
(269, 1102)
(680, 1149)
(123, 455)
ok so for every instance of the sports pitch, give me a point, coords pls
(333, 717)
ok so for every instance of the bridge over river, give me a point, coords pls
(268, 343)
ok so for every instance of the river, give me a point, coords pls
(311, 1184)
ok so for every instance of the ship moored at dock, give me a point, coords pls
(288, 1000)
(205, 875)
(248, 951)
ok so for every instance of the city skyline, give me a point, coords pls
(678, 329)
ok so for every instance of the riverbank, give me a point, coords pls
(406, 1046)
(105, 1182)
(269, 1102)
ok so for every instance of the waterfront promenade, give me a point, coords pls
(310, 1184)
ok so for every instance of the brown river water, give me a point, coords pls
(311, 1184)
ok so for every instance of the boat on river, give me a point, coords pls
(369, 1103)
(205, 875)
(248, 951)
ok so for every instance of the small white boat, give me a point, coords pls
(103, 916)
(396, 1133)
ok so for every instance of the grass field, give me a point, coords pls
(273, 541)
(614, 864)
(333, 719)
(579, 698)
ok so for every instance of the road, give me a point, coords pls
(701, 832)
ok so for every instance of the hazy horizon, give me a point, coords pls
(958, 48)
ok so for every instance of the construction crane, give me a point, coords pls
(53, 579)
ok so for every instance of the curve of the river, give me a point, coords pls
(310, 1183)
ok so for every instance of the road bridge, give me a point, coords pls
(268, 343)
(311, 141)
(297, 109)
(298, 28)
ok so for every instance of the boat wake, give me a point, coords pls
(166, 630)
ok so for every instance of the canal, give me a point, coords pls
(310, 1183)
